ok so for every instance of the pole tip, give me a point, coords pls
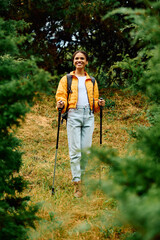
(53, 191)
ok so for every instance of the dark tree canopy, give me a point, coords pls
(61, 27)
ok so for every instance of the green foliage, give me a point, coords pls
(142, 71)
(20, 82)
(153, 114)
(134, 180)
(127, 72)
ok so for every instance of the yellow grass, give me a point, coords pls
(63, 216)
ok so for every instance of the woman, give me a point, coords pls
(80, 122)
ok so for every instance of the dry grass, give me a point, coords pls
(65, 217)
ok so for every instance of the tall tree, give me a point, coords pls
(20, 81)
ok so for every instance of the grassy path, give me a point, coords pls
(62, 214)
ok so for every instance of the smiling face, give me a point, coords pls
(80, 61)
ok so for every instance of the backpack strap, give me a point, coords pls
(69, 82)
(93, 80)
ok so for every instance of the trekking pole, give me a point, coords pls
(101, 115)
(59, 119)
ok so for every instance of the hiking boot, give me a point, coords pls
(77, 189)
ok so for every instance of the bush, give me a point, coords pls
(134, 180)
(20, 81)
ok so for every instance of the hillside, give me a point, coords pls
(64, 213)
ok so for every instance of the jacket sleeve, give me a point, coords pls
(61, 93)
(96, 96)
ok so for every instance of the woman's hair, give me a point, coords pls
(80, 51)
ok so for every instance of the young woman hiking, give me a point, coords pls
(80, 122)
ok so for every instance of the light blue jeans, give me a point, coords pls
(80, 126)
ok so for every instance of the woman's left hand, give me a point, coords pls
(101, 102)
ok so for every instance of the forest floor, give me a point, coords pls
(63, 216)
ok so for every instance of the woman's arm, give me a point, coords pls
(61, 94)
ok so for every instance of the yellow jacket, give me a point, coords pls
(61, 93)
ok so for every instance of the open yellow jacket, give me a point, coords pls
(61, 93)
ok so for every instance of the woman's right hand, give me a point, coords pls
(60, 104)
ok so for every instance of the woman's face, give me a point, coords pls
(80, 61)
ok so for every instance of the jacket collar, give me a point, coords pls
(87, 76)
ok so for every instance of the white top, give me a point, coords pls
(82, 91)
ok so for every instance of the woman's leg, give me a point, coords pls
(86, 134)
(80, 126)
(74, 123)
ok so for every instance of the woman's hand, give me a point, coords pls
(101, 102)
(60, 104)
